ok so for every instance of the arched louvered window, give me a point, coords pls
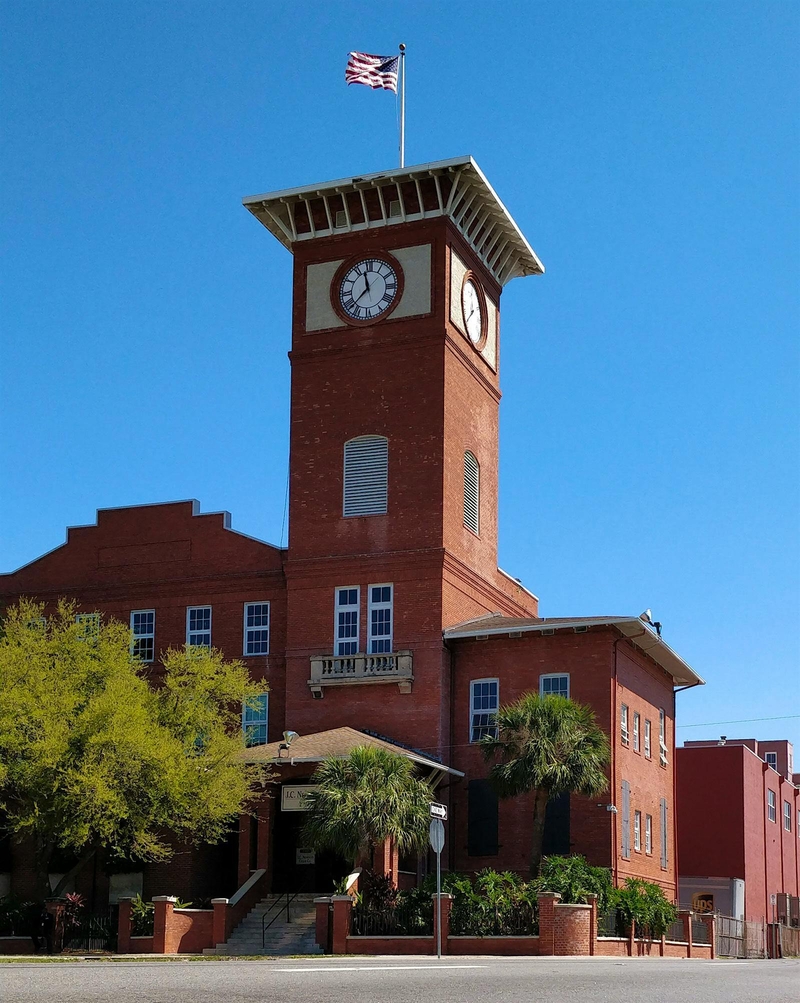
(366, 475)
(472, 475)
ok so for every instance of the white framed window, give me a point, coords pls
(89, 625)
(771, 759)
(256, 628)
(347, 609)
(143, 628)
(787, 816)
(37, 623)
(554, 685)
(483, 704)
(379, 613)
(198, 626)
(623, 718)
(664, 835)
(366, 476)
(647, 738)
(255, 719)
(648, 834)
(772, 813)
(636, 720)
(637, 831)
(472, 492)
(798, 823)
(662, 737)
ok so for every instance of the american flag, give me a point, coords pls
(374, 71)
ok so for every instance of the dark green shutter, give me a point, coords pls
(482, 819)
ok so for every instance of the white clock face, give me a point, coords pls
(368, 289)
(473, 315)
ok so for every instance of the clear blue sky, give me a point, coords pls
(649, 151)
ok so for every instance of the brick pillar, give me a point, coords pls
(547, 901)
(124, 927)
(687, 931)
(342, 908)
(386, 859)
(592, 900)
(56, 909)
(220, 921)
(662, 945)
(243, 869)
(447, 905)
(164, 907)
(263, 810)
(632, 939)
(323, 922)
(710, 921)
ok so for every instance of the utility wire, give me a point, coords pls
(741, 720)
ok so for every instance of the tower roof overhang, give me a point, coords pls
(456, 189)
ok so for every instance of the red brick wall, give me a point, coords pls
(589, 659)
(644, 687)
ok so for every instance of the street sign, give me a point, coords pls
(437, 835)
(439, 811)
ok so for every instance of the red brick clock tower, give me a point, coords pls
(394, 439)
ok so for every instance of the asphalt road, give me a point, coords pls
(404, 980)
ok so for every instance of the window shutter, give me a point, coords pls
(366, 475)
(626, 819)
(556, 826)
(663, 832)
(471, 492)
(482, 819)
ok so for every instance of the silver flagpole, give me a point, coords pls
(402, 105)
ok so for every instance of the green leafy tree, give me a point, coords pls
(546, 746)
(364, 799)
(94, 758)
(645, 903)
(574, 880)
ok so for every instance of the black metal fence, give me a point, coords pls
(482, 919)
(610, 924)
(404, 919)
(93, 933)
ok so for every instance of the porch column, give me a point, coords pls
(243, 869)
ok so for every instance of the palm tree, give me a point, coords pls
(364, 799)
(546, 746)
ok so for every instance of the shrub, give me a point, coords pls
(18, 917)
(142, 916)
(644, 903)
(574, 880)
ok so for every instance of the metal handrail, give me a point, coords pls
(264, 925)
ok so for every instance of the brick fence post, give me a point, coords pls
(220, 922)
(342, 910)
(710, 921)
(164, 906)
(323, 922)
(547, 901)
(632, 939)
(124, 927)
(592, 900)
(687, 931)
(56, 908)
(447, 905)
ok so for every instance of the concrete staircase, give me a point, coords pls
(296, 937)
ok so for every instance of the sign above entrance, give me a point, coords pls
(439, 811)
(294, 797)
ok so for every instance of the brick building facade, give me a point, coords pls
(749, 790)
(388, 612)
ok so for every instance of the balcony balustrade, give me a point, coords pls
(344, 670)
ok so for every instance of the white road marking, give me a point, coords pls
(380, 968)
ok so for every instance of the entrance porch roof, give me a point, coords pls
(339, 743)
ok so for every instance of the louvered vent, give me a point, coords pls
(366, 475)
(471, 492)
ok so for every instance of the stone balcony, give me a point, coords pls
(346, 670)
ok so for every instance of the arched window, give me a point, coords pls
(366, 475)
(472, 474)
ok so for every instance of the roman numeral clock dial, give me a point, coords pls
(368, 290)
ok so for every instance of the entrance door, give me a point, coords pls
(296, 867)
